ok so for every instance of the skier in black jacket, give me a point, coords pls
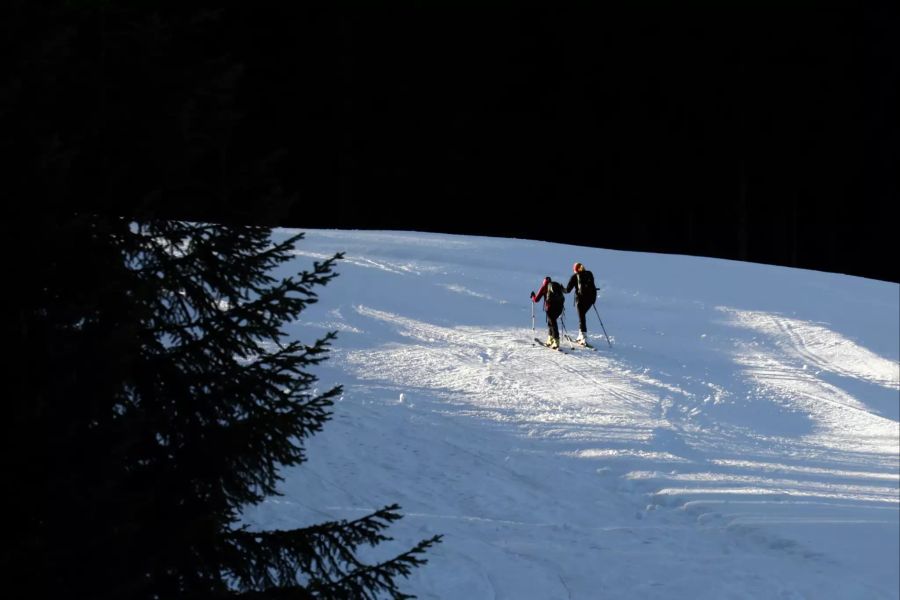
(582, 281)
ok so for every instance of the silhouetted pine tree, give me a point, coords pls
(154, 397)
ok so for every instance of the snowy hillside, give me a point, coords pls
(739, 440)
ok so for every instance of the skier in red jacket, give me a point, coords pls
(552, 294)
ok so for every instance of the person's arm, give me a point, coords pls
(537, 297)
(573, 281)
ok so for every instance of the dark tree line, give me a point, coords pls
(753, 131)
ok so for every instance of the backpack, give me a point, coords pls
(555, 295)
(586, 290)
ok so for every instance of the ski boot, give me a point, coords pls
(581, 340)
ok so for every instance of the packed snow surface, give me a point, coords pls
(739, 439)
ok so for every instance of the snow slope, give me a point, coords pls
(739, 440)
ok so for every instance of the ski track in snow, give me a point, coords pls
(821, 347)
(497, 375)
(636, 471)
(839, 416)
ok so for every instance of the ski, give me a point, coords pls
(542, 344)
(586, 346)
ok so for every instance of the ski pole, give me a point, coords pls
(601, 325)
(532, 318)
(566, 331)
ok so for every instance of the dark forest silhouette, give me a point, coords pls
(759, 131)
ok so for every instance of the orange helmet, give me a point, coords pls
(577, 267)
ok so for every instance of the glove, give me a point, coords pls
(532, 295)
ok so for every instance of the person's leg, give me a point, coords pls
(554, 327)
(582, 321)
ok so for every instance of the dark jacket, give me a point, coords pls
(585, 287)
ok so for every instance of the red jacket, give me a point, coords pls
(542, 293)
